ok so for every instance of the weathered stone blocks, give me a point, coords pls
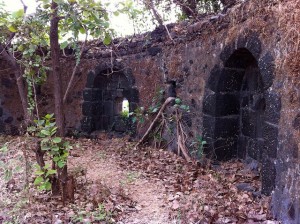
(270, 135)
(268, 175)
(267, 66)
(273, 107)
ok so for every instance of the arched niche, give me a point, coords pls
(241, 112)
(105, 91)
(235, 109)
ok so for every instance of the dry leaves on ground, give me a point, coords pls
(117, 184)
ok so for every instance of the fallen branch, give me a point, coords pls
(183, 148)
(181, 138)
(168, 100)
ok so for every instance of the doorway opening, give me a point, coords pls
(108, 101)
(234, 112)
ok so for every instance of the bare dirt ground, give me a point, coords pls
(117, 184)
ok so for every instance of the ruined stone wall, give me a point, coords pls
(285, 200)
(11, 111)
(233, 70)
(198, 61)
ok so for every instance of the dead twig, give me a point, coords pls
(74, 70)
(181, 138)
(168, 100)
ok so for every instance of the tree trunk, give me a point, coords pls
(59, 112)
(150, 5)
(21, 87)
(54, 46)
(55, 184)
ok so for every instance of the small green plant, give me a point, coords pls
(178, 104)
(12, 166)
(156, 101)
(141, 114)
(42, 180)
(58, 150)
(7, 170)
(138, 115)
(178, 218)
(198, 144)
(99, 214)
(80, 217)
(15, 170)
(125, 114)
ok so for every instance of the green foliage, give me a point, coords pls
(12, 166)
(56, 147)
(178, 103)
(15, 170)
(125, 114)
(187, 9)
(156, 101)
(198, 145)
(138, 115)
(43, 174)
(99, 214)
(31, 41)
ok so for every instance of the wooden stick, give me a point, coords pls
(183, 149)
(181, 139)
(168, 100)
(177, 132)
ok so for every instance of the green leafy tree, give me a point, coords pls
(27, 42)
(189, 9)
(51, 177)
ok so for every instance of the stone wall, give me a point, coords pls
(11, 112)
(229, 68)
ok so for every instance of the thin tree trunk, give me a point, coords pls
(18, 76)
(74, 71)
(58, 98)
(54, 46)
(151, 7)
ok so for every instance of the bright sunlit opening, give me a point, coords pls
(125, 106)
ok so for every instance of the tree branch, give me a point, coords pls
(74, 71)
(24, 6)
(55, 55)
(168, 100)
(18, 76)
(149, 4)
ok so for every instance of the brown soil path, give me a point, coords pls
(149, 196)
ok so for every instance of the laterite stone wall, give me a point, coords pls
(228, 68)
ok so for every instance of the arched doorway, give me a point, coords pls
(234, 109)
(105, 93)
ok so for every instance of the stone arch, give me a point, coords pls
(241, 111)
(103, 95)
(237, 100)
